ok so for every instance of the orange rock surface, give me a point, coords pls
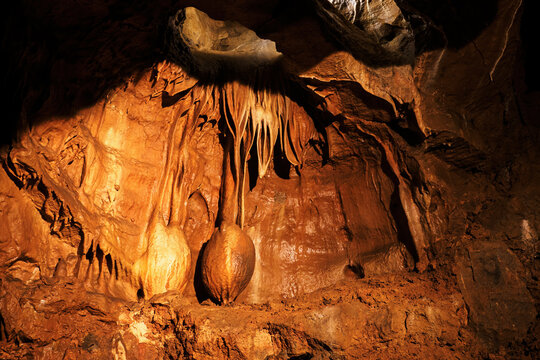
(384, 203)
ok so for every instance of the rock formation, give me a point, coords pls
(227, 263)
(355, 179)
(374, 30)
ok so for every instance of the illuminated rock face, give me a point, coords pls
(374, 30)
(227, 263)
(298, 179)
(166, 264)
(210, 47)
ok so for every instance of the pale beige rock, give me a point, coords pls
(166, 264)
(209, 47)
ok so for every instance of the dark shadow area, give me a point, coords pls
(3, 330)
(63, 56)
(115, 270)
(100, 256)
(406, 124)
(447, 22)
(355, 100)
(304, 356)
(109, 262)
(457, 152)
(356, 269)
(282, 166)
(140, 294)
(200, 290)
(253, 168)
(90, 255)
(529, 39)
(169, 100)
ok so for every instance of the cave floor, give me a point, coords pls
(398, 316)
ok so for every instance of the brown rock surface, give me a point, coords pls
(500, 304)
(392, 204)
(227, 263)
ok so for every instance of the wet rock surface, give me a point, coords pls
(390, 192)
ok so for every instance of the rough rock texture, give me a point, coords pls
(323, 325)
(392, 203)
(211, 47)
(374, 30)
(501, 306)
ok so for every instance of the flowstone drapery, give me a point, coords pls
(254, 119)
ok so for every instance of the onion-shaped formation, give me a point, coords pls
(227, 263)
(166, 264)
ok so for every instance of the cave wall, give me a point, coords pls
(94, 178)
(425, 166)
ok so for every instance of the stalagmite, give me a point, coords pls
(165, 265)
(228, 263)
(167, 261)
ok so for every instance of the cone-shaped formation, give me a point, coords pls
(227, 263)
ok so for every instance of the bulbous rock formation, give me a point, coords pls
(228, 262)
(166, 264)
(254, 119)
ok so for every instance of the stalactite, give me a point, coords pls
(256, 114)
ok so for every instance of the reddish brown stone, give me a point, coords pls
(392, 207)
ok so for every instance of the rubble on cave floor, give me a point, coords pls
(408, 315)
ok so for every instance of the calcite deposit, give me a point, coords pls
(317, 179)
(227, 263)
